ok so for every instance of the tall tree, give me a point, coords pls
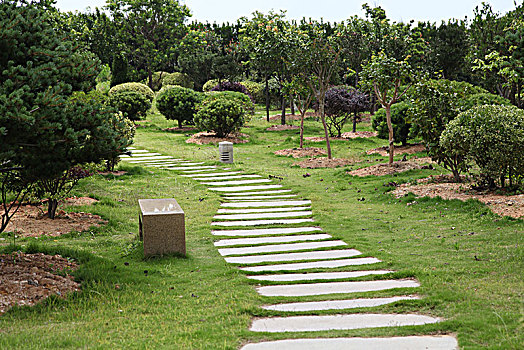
(150, 31)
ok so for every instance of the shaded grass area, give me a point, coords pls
(469, 261)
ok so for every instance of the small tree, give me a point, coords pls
(385, 76)
(303, 96)
(343, 104)
(399, 121)
(119, 69)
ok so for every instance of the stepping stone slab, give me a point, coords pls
(198, 176)
(265, 231)
(236, 182)
(328, 254)
(278, 239)
(338, 322)
(244, 188)
(252, 198)
(289, 277)
(226, 177)
(132, 150)
(445, 342)
(261, 222)
(161, 161)
(189, 164)
(327, 264)
(299, 290)
(147, 159)
(263, 215)
(199, 170)
(265, 204)
(335, 304)
(192, 167)
(266, 210)
(261, 192)
(280, 248)
(140, 155)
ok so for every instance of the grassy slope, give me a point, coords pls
(468, 260)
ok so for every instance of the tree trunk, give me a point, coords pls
(267, 99)
(292, 105)
(52, 204)
(283, 116)
(323, 117)
(390, 128)
(302, 116)
(355, 123)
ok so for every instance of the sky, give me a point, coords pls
(330, 10)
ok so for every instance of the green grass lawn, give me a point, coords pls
(469, 261)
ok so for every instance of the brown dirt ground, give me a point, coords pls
(26, 279)
(30, 221)
(354, 135)
(281, 127)
(301, 152)
(385, 169)
(432, 187)
(182, 129)
(313, 163)
(204, 138)
(409, 149)
(114, 173)
(294, 117)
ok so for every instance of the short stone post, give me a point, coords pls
(225, 149)
(162, 226)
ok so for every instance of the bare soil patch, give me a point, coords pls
(182, 129)
(294, 117)
(301, 152)
(356, 134)
(385, 169)
(204, 138)
(442, 187)
(26, 279)
(313, 163)
(321, 138)
(282, 127)
(31, 221)
(409, 149)
(114, 173)
(423, 160)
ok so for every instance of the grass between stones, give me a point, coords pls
(468, 261)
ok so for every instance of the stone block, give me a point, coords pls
(162, 226)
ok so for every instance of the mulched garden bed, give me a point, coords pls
(301, 152)
(313, 163)
(385, 169)
(409, 149)
(204, 138)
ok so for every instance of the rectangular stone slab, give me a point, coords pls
(278, 239)
(140, 155)
(264, 204)
(261, 222)
(434, 342)
(258, 198)
(338, 322)
(335, 304)
(280, 248)
(290, 277)
(290, 214)
(132, 150)
(265, 231)
(147, 159)
(326, 264)
(199, 170)
(259, 192)
(328, 254)
(236, 182)
(260, 210)
(226, 178)
(196, 176)
(299, 290)
(192, 167)
(244, 188)
(161, 161)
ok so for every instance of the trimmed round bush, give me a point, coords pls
(243, 99)
(179, 79)
(209, 85)
(178, 103)
(231, 86)
(223, 116)
(399, 114)
(133, 105)
(492, 137)
(485, 99)
(140, 88)
(255, 90)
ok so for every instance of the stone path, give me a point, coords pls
(292, 259)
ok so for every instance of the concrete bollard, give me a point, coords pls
(225, 149)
